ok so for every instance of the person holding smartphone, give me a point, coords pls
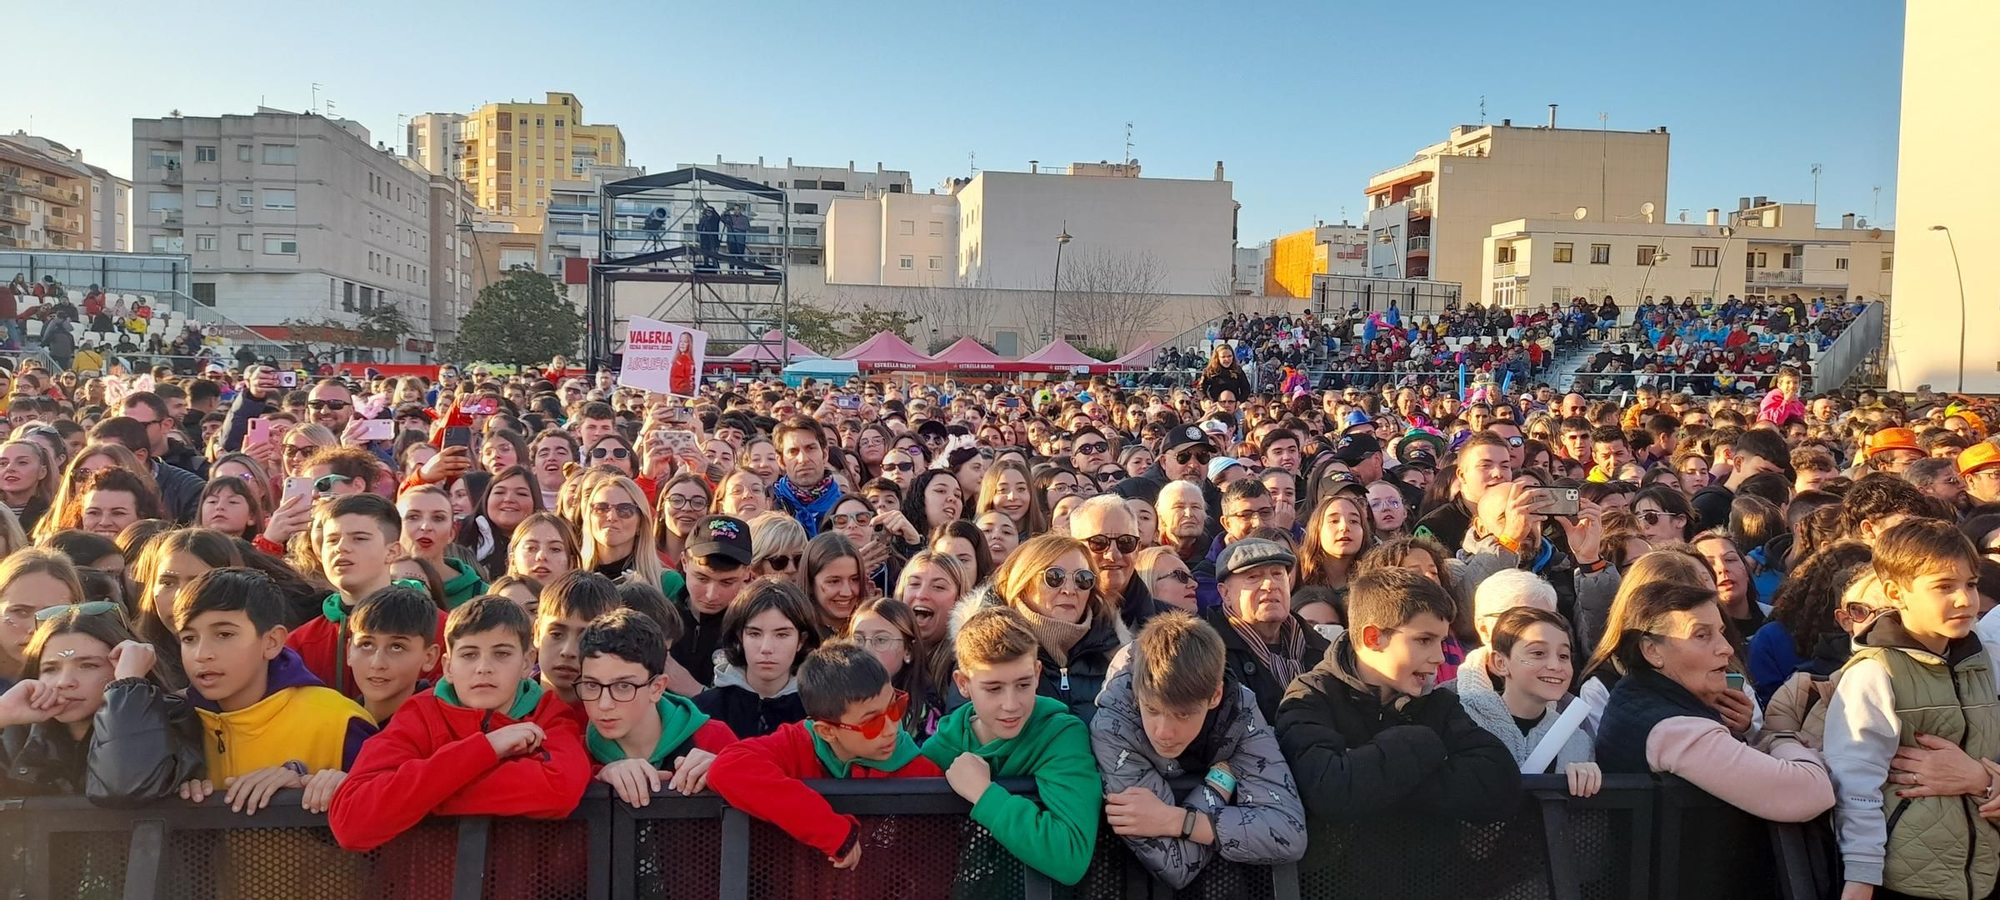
(1513, 530)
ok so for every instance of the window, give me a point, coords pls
(1888, 260)
(1753, 259)
(281, 198)
(163, 159)
(242, 152)
(1705, 257)
(246, 200)
(906, 262)
(206, 199)
(895, 189)
(1600, 254)
(805, 184)
(559, 123)
(1565, 253)
(164, 201)
(1840, 263)
(937, 227)
(281, 155)
(281, 245)
(204, 293)
(204, 242)
(1646, 254)
(833, 185)
(243, 241)
(805, 209)
(204, 154)
(1788, 260)
(906, 226)
(159, 243)
(1559, 294)
(937, 262)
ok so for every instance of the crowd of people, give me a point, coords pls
(93, 333)
(476, 595)
(1707, 348)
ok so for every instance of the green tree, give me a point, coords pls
(379, 326)
(519, 320)
(871, 321)
(816, 327)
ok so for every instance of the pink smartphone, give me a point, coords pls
(376, 430)
(297, 487)
(259, 432)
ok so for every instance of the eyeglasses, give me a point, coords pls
(1181, 575)
(621, 691)
(678, 501)
(326, 483)
(881, 641)
(1093, 447)
(1084, 579)
(783, 562)
(899, 467)
(1516, 441)
(860, 518)
(1381, 503)
(872, 726)
(1126, 543)
(1653, 516)
(1252, 514)
(322, 405)
(92, 608)
(1194, 455)
(613, 452)
(624, 510)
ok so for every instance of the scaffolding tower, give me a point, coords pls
(691, 247)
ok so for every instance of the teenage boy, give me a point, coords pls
(854, 730)
(487, 741)
(567, 606)
(716, 564)
(641, 734)
(1755, 452)
(267, 723)
(1172, 708)
(390, 647)
(1368, 741)
(1006, 731)
(1917, 670)
(359, 538)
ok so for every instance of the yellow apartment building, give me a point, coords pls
(1430, 217)
(1322, 250)
(512, 152)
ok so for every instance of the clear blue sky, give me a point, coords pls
(1302, 101)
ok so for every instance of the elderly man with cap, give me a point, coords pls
(1267, 645)
(1893, 449)
(1362, 454)
(1979, 467)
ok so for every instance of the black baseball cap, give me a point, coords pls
(1355, 447)
(724, 536)
(1185, 436)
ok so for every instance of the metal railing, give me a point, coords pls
(1419, 242)
(1848, 352)
(1505, 269)
(1777, 276)
(1640, 837)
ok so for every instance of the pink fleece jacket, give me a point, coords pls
(1789, 784)
(1778, 410)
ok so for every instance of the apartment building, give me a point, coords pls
(435, 141)
(570, 228)
(812, 192)
(286, 216)
(453, 288)
(511, 152)
(1429, 217)
(107, 206)
(1760, 249)
(1321, 250)
(44, 202)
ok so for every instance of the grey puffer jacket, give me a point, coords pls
(1264, 823)
(1483, 703)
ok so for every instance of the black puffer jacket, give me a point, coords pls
(1078, 683)
(1249, 669)
(143, 743)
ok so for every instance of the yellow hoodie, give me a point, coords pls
(298, 719)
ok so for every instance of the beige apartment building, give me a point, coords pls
(435, 141)
(1430, 217)
(512, 152)
(43, 202)
(1767, 250)
(1947, 203)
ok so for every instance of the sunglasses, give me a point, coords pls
(872, 726)
(899, 467)
(326, 483)
(613, 452)
(1181, 575)
(92, 608)
(1196, 455)
(1654, 516)
(1093, 447)
(1126, 543)
(624, 510)
(320, 405)
(1084, 579)
(1516, 441)
(783, 562)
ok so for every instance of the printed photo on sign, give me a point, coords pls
(663, 357)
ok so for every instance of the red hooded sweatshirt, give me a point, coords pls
(322, 645)
(434, 759)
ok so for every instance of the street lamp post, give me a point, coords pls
(1055, 287)
(1659, 256)
(1961, 302)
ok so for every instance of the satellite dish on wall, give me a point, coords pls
(1875, 233)
(1646, 208)
(1581, 211)
(1684, 215)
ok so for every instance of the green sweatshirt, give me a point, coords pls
(462, 585)
(1057, 835)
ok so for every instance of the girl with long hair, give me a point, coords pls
(31, 580)
(510, 497)
(1339, 531)
(86, 463)
(544, 548)
(834, 575)
(231, 506)
(109, 500)
(887, 629)
(1006, 489)
(617, 534)
(168, 562)
(28, 480)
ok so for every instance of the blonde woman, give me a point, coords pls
(618, 533)
(28, 479)
(778, 547)
(1048, 580)
(12, 538)
(87, 461)
(1006, 489)
(31, 580)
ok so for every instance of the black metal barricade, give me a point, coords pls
(1640, 837)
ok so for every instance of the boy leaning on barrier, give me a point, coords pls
(641, 735)
(1173, 708)
(1918, 670)
(1006, 731)
(853, 730)
(487, 741)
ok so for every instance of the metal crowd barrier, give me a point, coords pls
(1641, 837)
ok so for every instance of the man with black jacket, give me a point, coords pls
(1267, 645)
(180, 490)
(717, 566)
(1757, 451)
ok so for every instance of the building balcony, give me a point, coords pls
(170, 219)
(170, 175)
(15, 214)
(1776, 276)
(55, 221)
(1418, 205)
(8, 240)
(1420, 243)
(1506, 269)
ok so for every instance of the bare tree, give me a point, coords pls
(1110, 298)
(947, 313)
(1227, 301)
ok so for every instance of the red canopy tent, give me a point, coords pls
(1061, 357)
(1142, 358)
(886, 352)
(971, 357)
(768, 352)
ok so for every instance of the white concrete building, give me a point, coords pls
(812, 191)
(286, 216)
(894, 239)
(1248, 276)
(569, 229)
(432, 141)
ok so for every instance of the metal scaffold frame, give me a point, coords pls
(721, 245)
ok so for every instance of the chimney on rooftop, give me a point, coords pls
(1847, 220)
(1762, 200)
(1034, 166)
(1218, 171)
(1714, 217)
(1742, 203)
(1552, 115)
(1506, 123)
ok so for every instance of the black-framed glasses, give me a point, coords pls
(676, 501)
(324, 405)
(621, 691)
(92, 608)
(612, 452)
(624, 510)
(1084, 579)
(1126, 543)
(1092, 448)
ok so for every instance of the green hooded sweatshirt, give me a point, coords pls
(679, 720)
(463, 585)
(526, 697)
(1057, 835)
